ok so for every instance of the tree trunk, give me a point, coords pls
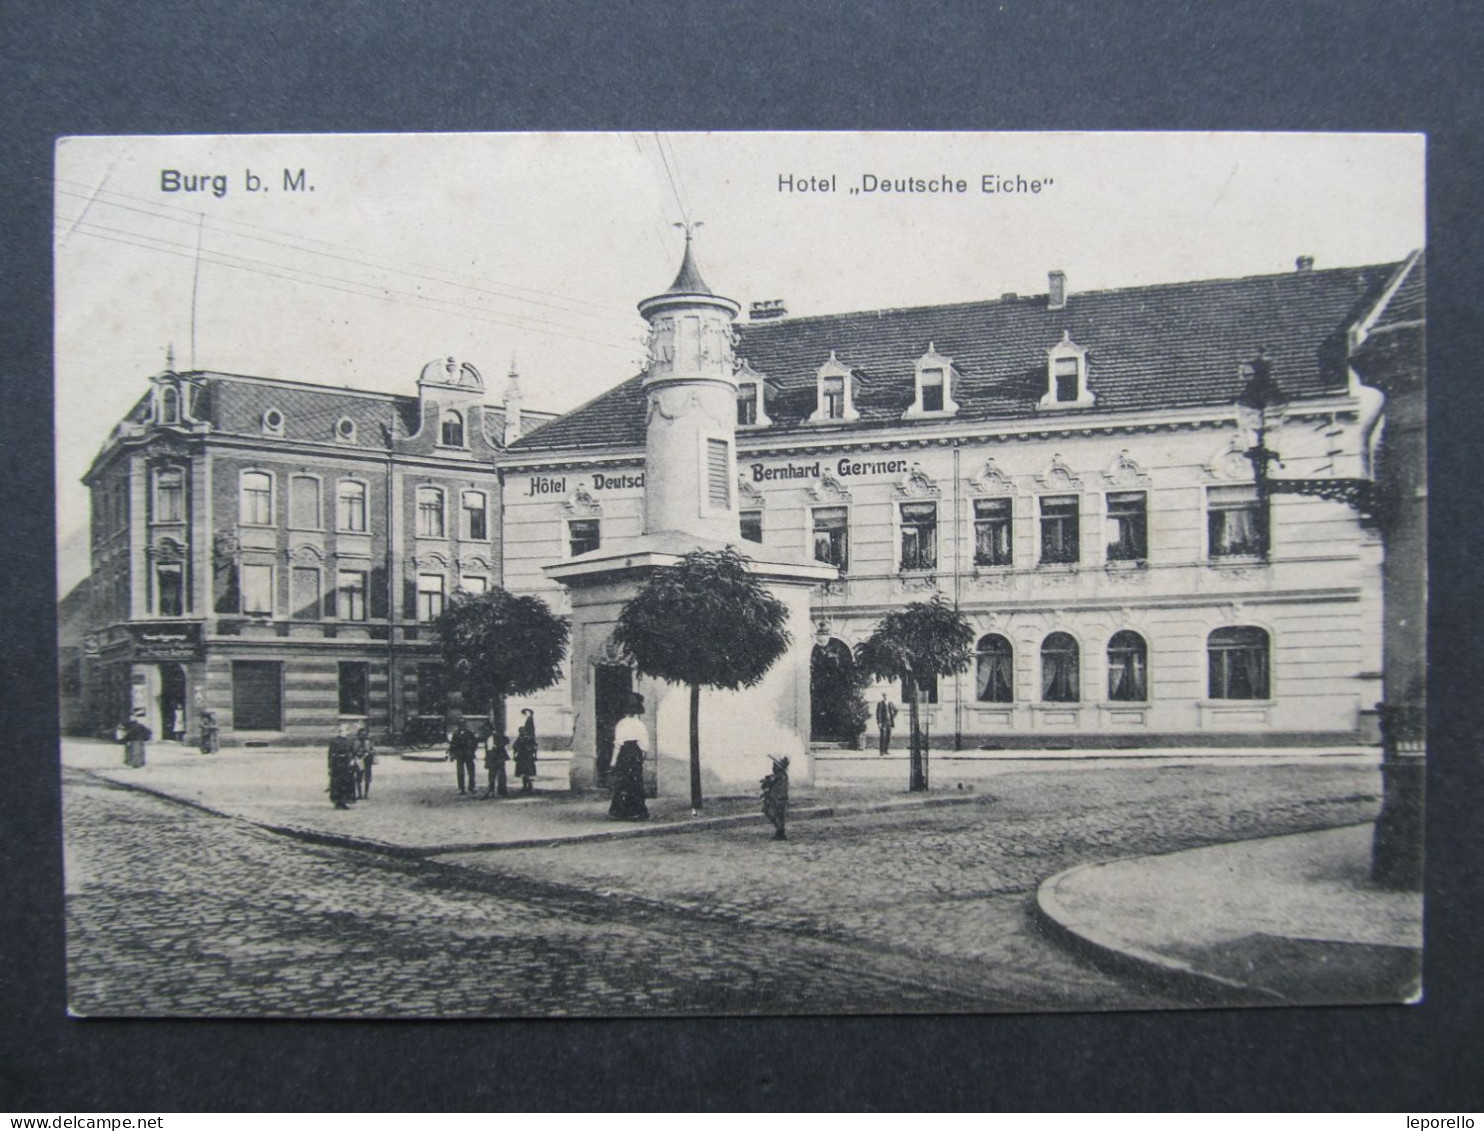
(916, 779)
(695, 746)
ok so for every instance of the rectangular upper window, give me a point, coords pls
(304, 593)
(583, 536)
(429, 596)
(257, 499)
(919, 535)
(474, 584)
(257, 589)
(719, 474)
(752, 526)
(832, 536)
(170, 589)
(1128, 526)
(1064, 371)
(833, 397)
(304, 502)
(476, 520)
(169, 495)
(1059, 530)
(746, 405)
(350, 591)
(932, 390)
(350, 506)
(993, 527)
(1233, 521)
(430, 512)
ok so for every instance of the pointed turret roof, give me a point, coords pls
(688, 280)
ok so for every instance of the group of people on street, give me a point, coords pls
(351, 762)
(463, 749)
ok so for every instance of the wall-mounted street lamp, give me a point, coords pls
(1260, 409)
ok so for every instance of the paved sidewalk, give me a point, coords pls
(1280, 919)
(415, 808)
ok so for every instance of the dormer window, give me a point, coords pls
(835, 397)
(273, 422)
(170, 405)
(933, 392)
(1066, 375)
(451, 429)
(345, 430)
(930, 381)
(752, 397)
(832, 398)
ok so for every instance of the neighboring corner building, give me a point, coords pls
(270, 551)
(1066, 468)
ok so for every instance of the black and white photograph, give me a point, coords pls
(691, 574)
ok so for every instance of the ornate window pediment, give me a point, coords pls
(933, 381)
(992, 481)
(1066, 376)
(917, 484)
(1126, 472)
(580, 504)
(834, 393)
(828, 490)
(1058, 476)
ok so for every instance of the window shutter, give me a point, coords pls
(718, 479)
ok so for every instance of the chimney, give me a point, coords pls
(512, 405)
(1304, 263)
(1057, 299)
(769, 308)
(1009, 296)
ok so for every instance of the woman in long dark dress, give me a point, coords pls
(631, 738)
(342, 770)
(525, 751)
(135, 735)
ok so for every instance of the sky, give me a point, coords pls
(390, 250)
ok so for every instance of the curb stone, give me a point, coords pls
(414, 852)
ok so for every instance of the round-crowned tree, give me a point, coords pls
(913, 644)
(704, 622)
(496, 644)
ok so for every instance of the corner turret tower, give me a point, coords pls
(690, 436)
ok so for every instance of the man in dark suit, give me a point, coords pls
(462, 748)
(886, 719)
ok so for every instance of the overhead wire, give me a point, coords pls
(295, 242)
(339, 279)
(369, 290)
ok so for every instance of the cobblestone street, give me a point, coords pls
(176, 912)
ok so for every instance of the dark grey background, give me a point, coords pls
(281, 67)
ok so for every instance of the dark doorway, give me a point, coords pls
(172, 702)
(837, 711)
(613, 687)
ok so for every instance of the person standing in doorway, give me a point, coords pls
(461, 748)
(886, 719)
(525, 751)
(631, 739)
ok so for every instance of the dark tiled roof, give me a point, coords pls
(1174, 345)
(1409, 302)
